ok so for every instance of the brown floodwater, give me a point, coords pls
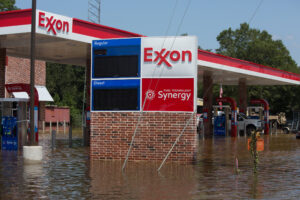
(67, 173)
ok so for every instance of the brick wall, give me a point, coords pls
(111, 134)
(18, 71)
(2, 71)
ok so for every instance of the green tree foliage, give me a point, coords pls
(6, 5)
(258, 46)
(66, 85)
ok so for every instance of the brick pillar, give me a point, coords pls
(2, 72)
(243, 95)
(207, 102)
(87, 130)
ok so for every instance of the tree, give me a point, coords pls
(6, 5)
(258, 46)
(66, 84)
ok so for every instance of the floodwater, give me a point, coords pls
(67, 173)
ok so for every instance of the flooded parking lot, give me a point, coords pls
(67, 173)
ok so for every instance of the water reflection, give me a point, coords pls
(141, 181)
(67, 173)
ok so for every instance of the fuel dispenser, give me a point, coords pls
(9, 133)
(266, 113)
(233, 107)
(221, 117)
(22, 87)
(13, 123)
(220, 125)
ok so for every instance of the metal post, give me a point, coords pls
(57, 126)
(43, 127)
(50, 129)
(64, 126)
(32, 68)
(53, 138)
(70, 136)
(84, 136)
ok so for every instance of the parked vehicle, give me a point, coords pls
(247, 124)
(293, 126)
(278, 121)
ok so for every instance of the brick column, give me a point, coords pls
(207, 102)
(243, 95)
(111, 134)
(2, 72)
(87, 130)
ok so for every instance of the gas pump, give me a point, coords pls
(22, 87)
(266, 113)
(9, 133)
(233, 107)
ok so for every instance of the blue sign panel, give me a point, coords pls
(113, 62)
(108, 95)
(116, 58)
(113, 84)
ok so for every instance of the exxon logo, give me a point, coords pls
(52, 25)
(166, 56)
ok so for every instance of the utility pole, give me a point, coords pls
(32, 72)
(94, 11)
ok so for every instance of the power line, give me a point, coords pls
(141, 113)
(171, 18)
(253, 15)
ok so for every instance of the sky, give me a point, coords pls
(203, 18)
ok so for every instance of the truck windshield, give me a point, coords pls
(243, 115)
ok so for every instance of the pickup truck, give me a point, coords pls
(247, 123)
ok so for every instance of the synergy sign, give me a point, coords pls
(168, 94)
(166, 68)
(53, 24)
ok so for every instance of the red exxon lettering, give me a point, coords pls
(163, 55)
(53, 24)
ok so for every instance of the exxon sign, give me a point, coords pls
(53, 24)
(169, 57)
(165, 56)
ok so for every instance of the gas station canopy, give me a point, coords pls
(228, 71)
(59, 39)
(67, 40)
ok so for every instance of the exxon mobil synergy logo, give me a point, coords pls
(52, 24)
(170, 94)
(166, 56)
